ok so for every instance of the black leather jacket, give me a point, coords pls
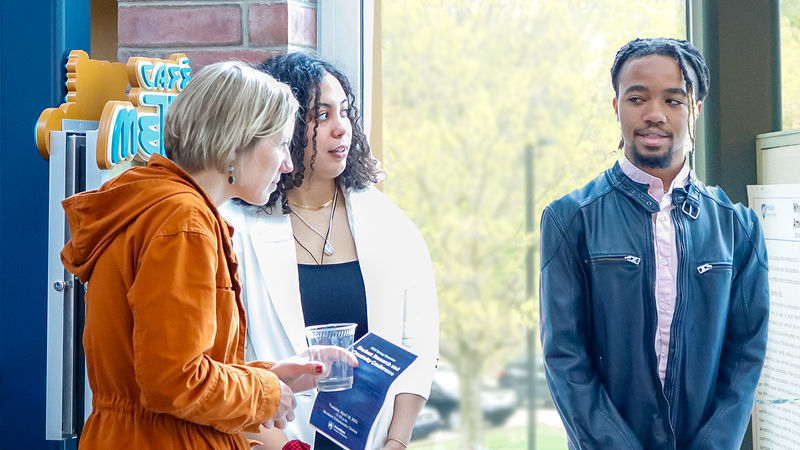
(598, 317)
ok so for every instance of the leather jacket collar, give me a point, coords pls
(686, 199)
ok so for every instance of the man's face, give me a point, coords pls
(653, 111)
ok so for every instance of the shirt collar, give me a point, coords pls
(640, 176)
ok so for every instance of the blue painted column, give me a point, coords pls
(35, 39)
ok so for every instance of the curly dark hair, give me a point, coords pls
(686, 54)
(303, 74)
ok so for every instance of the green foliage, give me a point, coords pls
(790, 63)
(790, 9)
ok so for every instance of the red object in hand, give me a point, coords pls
(296, 445)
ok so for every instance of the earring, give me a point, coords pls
(231, 178)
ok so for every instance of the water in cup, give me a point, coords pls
(340, 378)
(340, 335)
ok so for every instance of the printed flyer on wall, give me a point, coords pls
(346, 417)
(776, 413)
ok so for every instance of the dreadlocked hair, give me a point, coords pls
(691, 63)
(303, 74)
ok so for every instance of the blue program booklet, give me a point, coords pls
(346, 417)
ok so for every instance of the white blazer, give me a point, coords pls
(398, 279)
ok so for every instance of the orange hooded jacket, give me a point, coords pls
(165, 327)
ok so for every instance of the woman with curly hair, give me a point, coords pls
(329, 248)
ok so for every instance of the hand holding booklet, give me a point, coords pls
(346, 417)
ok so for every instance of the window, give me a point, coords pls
(790, 63)
(467, 86)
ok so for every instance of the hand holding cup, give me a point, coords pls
(338, 372)
(301, 372)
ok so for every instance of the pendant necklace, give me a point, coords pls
(327, 248)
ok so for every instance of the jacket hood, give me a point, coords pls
(97, 217)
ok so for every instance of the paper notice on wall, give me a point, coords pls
(776, 415)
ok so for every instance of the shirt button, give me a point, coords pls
(663, 262)
(662, 217)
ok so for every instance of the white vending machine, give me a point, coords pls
(72, 169)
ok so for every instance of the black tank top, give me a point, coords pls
(333, 293)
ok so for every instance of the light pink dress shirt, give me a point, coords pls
(666, 251)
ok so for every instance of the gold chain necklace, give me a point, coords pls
(327, 248)
(309, 207)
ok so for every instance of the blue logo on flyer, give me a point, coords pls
(767, 210)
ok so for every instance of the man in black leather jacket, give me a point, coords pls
(654, 295)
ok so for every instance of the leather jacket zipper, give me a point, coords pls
(650, 276)
(669, 382)
(629, 258)
(703, 268)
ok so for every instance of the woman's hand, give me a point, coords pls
(285, 412)
(300, 372)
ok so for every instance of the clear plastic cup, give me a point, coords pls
(340, 376)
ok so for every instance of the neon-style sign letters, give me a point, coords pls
(131, 128)
(134, 128)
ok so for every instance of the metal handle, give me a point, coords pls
(60, 285)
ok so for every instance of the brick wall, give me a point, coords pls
(217, 30)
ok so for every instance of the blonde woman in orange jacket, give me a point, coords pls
(165, 328)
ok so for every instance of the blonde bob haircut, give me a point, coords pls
(222, 112)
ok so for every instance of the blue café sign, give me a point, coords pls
(129, 100)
